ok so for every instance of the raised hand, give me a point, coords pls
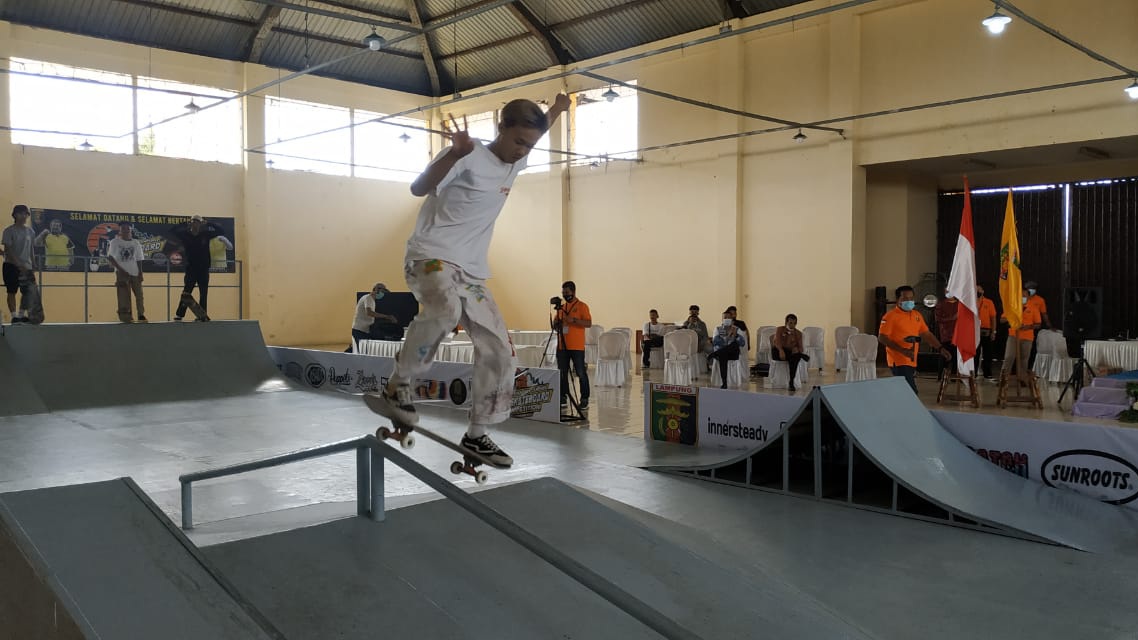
(561, 102)
(461, 142)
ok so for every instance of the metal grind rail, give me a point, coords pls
(370, 454)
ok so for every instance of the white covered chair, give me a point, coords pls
(841, 350)
(737, 374)
(1044, 351)
(531, 356)
(679, 353)
(612, 369)
(763, 348)
(627, 346)
(592, 338)
(863, 357)
(1062, 364)
(779, 376)
(814, 346)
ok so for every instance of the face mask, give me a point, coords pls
(908, 305)
(979, 294)
(379, 295)
(727, 322)
(1024, 300)
(948, 297)
(1031, 292)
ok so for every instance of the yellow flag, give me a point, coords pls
(1011, 278)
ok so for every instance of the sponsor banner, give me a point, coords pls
(671, 413)
(1098, 461)
(714, 417)
(75, 236)
(536, 391)
(742, 420)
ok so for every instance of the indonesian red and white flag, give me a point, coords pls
(962, 286)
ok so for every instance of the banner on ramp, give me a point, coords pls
(714, 417)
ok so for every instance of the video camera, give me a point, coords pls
(555, 301)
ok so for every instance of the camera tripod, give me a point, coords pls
(555, 330)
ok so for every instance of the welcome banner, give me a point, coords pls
(78, 240)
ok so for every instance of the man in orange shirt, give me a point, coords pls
(901, 332)
(1040, 305)
(1026, 334)
(573, 318)
(987, 331)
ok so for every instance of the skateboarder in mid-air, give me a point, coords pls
(194, 236)
(446, 268)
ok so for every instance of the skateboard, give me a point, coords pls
(30, 297)
(194, 307)
(404, 435)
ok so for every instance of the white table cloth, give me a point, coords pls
(1116, 355)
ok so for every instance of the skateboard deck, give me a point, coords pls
(403, 434)
(194, 307)
(30, 299)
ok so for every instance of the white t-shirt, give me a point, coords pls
(127, 253)
(456, 222)
(653, 329)
(363, 320)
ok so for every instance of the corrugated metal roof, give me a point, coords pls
(503, 45)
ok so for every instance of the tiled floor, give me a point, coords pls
(620, 410)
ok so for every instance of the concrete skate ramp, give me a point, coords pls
(894, 430)
(434, 571)
(101, 561)
(76, 366)
(17, 396)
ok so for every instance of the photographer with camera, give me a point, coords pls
(901, 332)
(572, 319)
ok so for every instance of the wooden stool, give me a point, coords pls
(1027, 380)
(958, 381)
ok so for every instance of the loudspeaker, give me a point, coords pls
(1082, 314)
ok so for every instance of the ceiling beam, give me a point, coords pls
(265, 25)
(461, 10)
(183, 11)
(354, 44)
(372, 21)
(554, 48)
(384, 15)
(488, 45)
(601, 14)
(425, 47)
(733, 9)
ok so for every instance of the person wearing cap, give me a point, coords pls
(125, 253)
(195, 237)
(17, 241)
(1039, 307)
(366, 315)
(699, 327)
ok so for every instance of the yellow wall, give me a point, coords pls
(760, 222)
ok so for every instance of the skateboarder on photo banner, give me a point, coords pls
(195, 237)
(446, 267)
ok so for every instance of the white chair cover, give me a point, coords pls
(763, 353)
(1062, 364)
(1044, 350)
(612, 351)
(863, 357)
(592, 338)
(531, 356)
(679, 353)
(841, 353)
(814, 346)
(627, 346)
(779, 376)
(737, 374)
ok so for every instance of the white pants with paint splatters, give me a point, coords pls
(450, 297)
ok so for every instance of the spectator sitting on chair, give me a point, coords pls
(652, 335)
(786, 346)
(366, 315)
(945, 314)
(901, 331)
(699, 327)
(728, 344)
(741, 325)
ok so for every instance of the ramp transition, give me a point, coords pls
(873, 445)
(17, 395)
(100, 560)
(434, 571)
(77, 366)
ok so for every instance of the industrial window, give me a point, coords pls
(304, 136)
(605, 124)
(212, 135)
(396, 149)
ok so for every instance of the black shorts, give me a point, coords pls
(11, 277)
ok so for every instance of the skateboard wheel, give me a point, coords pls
(384, 433)
(407, 442)
(456, 468)
(481, 477)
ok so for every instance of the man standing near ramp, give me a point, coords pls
(195, 236)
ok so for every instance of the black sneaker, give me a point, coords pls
(398, 406)
(584, 403)
(486, 447)
(142, 319)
